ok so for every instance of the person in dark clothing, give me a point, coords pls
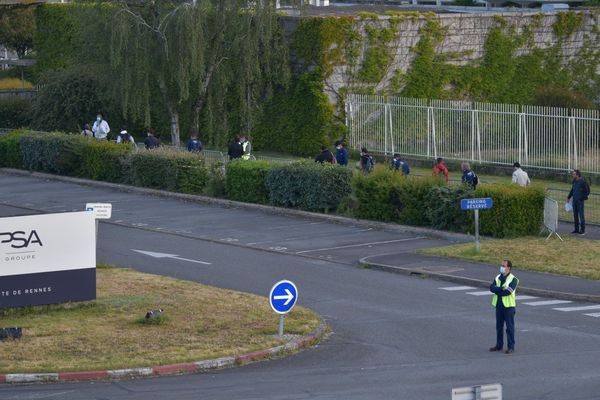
(367, 162)
(324, 156)
(151, 141)
(469, 177)
(580, 191)
(235, 149)
(194, 145)
(504, 288)
(398, 164)
(341, 153)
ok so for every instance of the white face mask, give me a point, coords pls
(98, 119)
(502, 270)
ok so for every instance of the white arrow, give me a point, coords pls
(288, 297)
(166, 255)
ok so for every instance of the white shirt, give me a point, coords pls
(100, 129)
(520, 177)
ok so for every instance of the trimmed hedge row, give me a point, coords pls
(246, 181)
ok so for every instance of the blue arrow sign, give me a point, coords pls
(476, 204)
(283, 297)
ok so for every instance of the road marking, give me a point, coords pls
(581, 308)
(483, 293)
(597, 315)
(361, 245)
(526, 297)
(455, 288)
(166, 255)
(547, 302)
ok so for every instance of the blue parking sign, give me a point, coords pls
(283, 296)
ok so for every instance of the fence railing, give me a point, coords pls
(591, 206)
(543, 137)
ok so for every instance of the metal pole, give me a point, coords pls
(477, 230)
(96, 232)
(280, 331)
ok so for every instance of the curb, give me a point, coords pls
(337, 219)
(172, 369)
(475, 282)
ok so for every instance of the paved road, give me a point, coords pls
(394, 336)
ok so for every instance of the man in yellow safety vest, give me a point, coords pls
(504, 289)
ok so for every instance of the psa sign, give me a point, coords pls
(47, 259)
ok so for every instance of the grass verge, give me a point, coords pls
(573, 257)
(199, 322)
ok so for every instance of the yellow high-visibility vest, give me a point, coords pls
(510, 300)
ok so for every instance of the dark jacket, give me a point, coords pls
(235, 150)
(398, 164)
(151, 142)
(194, 145)
(578, 190)
(341, 156)
(470, 178)
(325, 156)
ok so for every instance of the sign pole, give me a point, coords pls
(477, 230)
(281, 317)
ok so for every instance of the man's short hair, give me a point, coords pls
(577, 172)
(517, 165)
(439, 160)
(509, 264)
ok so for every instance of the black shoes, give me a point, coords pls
(581, 233)
(495, 348)
(575, 232)
(509, 351)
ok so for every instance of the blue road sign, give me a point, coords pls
(476, 204)
(283, 297)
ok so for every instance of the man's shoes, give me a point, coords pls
(495, 348)
(581, 233)
(509, 351)
(575, 232)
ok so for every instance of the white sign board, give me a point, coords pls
(100, 210)
(483, 392)
(47, 259)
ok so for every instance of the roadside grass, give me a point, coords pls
(573, 257)
(14, 83)
(199, 322)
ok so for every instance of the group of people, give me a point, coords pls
(240, 148)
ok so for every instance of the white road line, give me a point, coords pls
(483, 293)
(526, 297)
(455, 288)
(581, 308)
(361, 245)
(597, 315)
(547, 302)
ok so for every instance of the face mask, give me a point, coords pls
(98, 119)
(502, 270)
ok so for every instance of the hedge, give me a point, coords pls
(374, 193)
(53, 152)
(103, 160)
(309, 185)
(166, 169)
(10, 150)
(245, 180)
(15, 113)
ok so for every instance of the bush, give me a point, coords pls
(517, 211)
(374, 194)
(166, 169)
(15, 113)
(10, 150)
(443, 208)
(246, 181)
(56, 153)
(103, 160)
(409, 200)
(309, 185)
(215, 185)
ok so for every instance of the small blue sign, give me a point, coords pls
(476, 204)
(283, 297)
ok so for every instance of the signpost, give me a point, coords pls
(476, 205)
(283, 297)
(47, 259)
(100, 211)
(482, 392)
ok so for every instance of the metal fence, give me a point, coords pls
(543, 137)
(591, 208)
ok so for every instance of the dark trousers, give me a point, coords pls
(505, 316)
(578, 215)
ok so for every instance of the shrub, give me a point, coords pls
(53, 152)
(10, 150)
(443, 208)
(166, 169)
(103, 160)
(517, 211)
(215, 185)
(409, 200)
(15, 113)
(374, 194)
(246, 180)
(309, 185)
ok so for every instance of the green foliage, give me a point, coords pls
(166, 169)
(17, 27)
(102, 160)
(10, 150)
(374, 194)
(443, 208)
(54, 41)
(55, 153)
(245, 180)
(309, 186)
(517, 211)
(15, 113)
(378, 56)
(409, 200)
(566, 24)
(215, 186)
(555, 96)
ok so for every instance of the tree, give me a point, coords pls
(17, 27)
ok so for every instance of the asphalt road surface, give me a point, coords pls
(394, 337)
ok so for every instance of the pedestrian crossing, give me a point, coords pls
(532, 301)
